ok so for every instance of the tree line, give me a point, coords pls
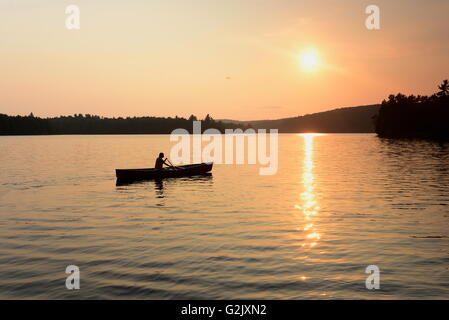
(93, 124)
(413, 116)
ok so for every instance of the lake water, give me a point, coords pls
(337, 204)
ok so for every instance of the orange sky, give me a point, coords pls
(235, 59)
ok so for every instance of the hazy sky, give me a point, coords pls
(234, 59)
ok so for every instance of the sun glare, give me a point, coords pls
(309, 60)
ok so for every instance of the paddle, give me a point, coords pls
(171, 164)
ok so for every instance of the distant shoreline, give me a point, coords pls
(167, 134)
(92, 124)
(342, 120)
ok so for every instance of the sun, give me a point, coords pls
(309, 60)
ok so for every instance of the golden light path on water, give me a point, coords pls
(309, 206)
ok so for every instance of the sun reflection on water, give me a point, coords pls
(309, 206)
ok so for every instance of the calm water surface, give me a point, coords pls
(337, 204)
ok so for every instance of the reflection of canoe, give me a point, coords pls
(169, 172)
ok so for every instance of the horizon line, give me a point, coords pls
(173, 117)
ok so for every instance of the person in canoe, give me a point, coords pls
(160, 161)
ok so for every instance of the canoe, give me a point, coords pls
(168, 172)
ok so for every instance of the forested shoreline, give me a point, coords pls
(93, 124)
(423, 117)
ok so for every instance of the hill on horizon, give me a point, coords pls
(341, 120)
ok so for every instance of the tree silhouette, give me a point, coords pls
(208, 118)
(412, 116)
(444, 88)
